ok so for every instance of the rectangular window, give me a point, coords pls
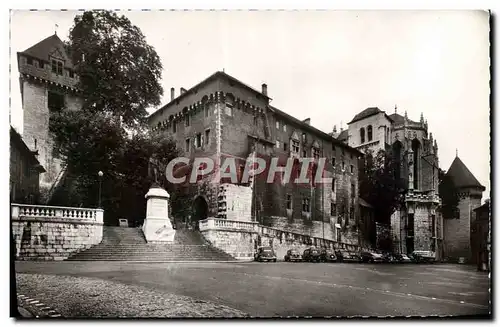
(188, 145)
(333, 162)
(351, 214)
(433, 225)
(277, 125)
(255, 120)
(295, 146)
(277, 144)
(304, 153)
(284, 127)
(289, 201)
(55, 101)
(303, 137)
(352, 169)
(305, 204)
(343, 165)
(353, 191)
(174, 127)
(198, 142)
(333, 209)
(207, 136)
(411, 224)
(229, 110)
(71, 74)
(333, 185)
(187, 120)
(207, 111)
(29, 61)
(285, 146)
(57, 67)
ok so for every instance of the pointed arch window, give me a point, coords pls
(362, 134)
(370, 133)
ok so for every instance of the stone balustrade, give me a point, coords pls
(239, 238)
(54, 233)
(224, 224)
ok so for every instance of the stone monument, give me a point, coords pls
(157, 227)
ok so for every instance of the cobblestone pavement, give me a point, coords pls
(68, 296)
(285, 289)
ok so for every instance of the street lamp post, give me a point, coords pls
(100, 182)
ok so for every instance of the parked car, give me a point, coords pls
(423, 256)
(388, 257)
(311, 255)
(265, 253)
(327, 255)
(347, 256)
(371, 257)
(293, 255)
(402, 258)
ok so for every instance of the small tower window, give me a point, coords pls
(57, 67)
(370, 133)
(55, 101)
(362, 134)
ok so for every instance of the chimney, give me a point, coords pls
(264, 89)
(172, 94)
(307, 121)
(183, 90)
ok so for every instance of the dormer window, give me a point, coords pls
(57, 66)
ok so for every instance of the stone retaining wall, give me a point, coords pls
(54, 233)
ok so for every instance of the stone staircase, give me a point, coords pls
(129, 244)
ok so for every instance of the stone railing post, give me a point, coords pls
(59, 213)
(211, 223)
(99, 217)
(15, 211)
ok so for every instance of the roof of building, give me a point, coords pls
(44, 48)
(398, 119)
(206, 80)
(343, 136)
(484, 207)
(367, 113)
(461, 175)
(307, 126)
(17, 141)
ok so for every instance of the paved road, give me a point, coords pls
(301, 289)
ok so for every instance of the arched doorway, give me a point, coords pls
(200, 210)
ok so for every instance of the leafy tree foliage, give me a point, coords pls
(119, 72)
(379, 185)
(449, 195)
(119, 79)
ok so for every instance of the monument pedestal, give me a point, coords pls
(157, 227)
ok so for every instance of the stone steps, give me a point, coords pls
(129, 244)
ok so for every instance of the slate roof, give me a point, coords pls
(44, 48)
(398, 119)
(461, 175)
(343, 135)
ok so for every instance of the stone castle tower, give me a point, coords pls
(416, 226)
(457, 230)
(48, 84)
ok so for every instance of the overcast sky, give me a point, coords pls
(326, 65)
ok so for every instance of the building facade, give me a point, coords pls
(223, 118)
(457, 229)
(48, 83)
(481, 237)
(416, 226)
(25, 171)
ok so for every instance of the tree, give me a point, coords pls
(119, 72)
(119, 79)
(380, 186)
(448, 194)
